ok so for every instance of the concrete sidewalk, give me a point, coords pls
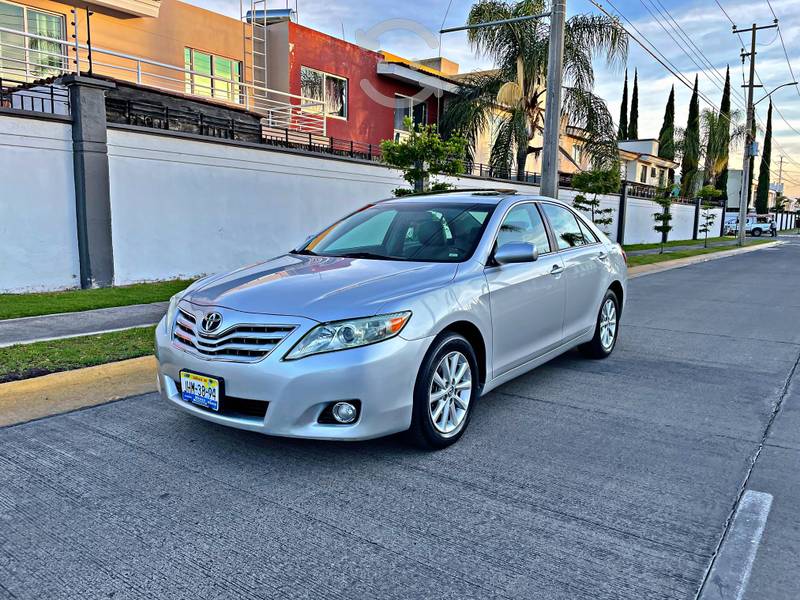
(47, 327)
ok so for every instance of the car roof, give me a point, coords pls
(474, 196)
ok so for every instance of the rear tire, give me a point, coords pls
(606, 331)
(756, 232)
(447, 387)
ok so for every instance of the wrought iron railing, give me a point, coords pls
(42, 97)
(489, 172)
(53, 57)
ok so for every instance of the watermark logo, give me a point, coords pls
(370, 38)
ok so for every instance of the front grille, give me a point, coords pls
(240, 343)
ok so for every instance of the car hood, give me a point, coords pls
(319, 287)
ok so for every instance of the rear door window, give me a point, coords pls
(565, 226)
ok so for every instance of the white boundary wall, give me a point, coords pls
(183, 207)
(38, 233)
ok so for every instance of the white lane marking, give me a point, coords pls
(73, 335)
(732, 566)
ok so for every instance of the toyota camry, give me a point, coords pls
(398, 317)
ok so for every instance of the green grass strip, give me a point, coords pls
(40, 358)
(673, 243)
(13, 306)
(648, 259)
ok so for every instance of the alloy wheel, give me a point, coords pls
(449, 393)
(608, 324)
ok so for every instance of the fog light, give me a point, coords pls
(344, 412)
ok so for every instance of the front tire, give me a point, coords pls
(606, 329)
(445, 393)
(756, 232)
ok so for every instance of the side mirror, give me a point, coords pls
(516, 252)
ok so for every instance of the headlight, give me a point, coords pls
(172, 312)
(340, 335)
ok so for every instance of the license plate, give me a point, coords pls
(200, 390)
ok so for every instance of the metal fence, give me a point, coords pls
(44, 97)
(27, 57)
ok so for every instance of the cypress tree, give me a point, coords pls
(633, 122)
(725, 115)
(691, 150)
(622, 132)
(762, 192)
(666, 137)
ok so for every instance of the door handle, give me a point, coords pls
(556, 270)
(602, 255)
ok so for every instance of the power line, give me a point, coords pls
(760, 81)
(702, 69)
(654, 52)
(783, 45)
(664, 11)
(661, 59)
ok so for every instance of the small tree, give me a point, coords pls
(706, 194)
(596, 181)
(422, 154)
(663, 218)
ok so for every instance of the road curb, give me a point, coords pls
(667, 265)
(38, 397)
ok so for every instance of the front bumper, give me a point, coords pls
(381, 376)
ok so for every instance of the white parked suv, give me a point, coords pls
(755, 225)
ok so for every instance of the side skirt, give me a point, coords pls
(539, 360)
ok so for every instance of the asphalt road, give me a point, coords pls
(584, 479)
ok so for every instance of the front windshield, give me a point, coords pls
(410, 231)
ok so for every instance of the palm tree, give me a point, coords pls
(518, 85)
(719, 133)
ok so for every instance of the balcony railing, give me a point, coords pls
(27, 57)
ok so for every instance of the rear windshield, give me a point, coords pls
(409, 231)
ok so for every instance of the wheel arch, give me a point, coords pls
(473, 335)
(616, 287)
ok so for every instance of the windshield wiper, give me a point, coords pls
(368, 255)
(304, 252)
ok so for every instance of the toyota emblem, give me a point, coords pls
(211, 322)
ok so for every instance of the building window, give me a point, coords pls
(26, 58)
(577, 154)
(326, 88)
(404, 107)
(652, 171)
(643, 176)
(212, 76)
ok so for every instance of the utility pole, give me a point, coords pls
(749, 146)
(779, 192)
(552, 111)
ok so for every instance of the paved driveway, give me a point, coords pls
(584, 479)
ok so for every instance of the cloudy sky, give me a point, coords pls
(701, 21)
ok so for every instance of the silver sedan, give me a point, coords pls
(396, 318)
